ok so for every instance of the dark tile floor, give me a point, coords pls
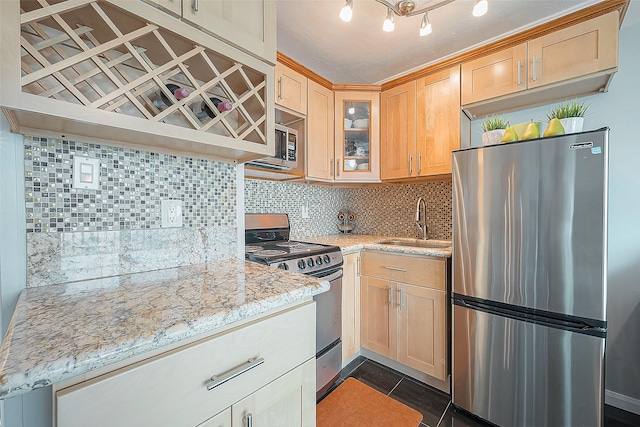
(435, 406)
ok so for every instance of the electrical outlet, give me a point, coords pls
(305, 211)
(171, 211)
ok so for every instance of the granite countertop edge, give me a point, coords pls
(350, 243)
(21, 376)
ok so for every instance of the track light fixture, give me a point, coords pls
(408, 8)
(480, 8)
(425, 26)
(388, 24)
(347, 11)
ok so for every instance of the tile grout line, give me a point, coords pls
(443, 414)
(396, 386)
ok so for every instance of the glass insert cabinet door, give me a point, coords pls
(357, 136)
(356, 147)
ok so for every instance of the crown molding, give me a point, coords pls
(577, 17)
(574, 18)
(285, 60)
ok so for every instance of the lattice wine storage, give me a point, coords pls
(94, 54)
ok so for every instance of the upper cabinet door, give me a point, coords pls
(582, 49)
(320, 132)
(493, 75)
(357, 141)
(291, 89)
(248, 24)
(438, 121)
(173, 6)
(398, 157)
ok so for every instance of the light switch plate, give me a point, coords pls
(86, 173)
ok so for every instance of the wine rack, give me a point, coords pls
(99, 55)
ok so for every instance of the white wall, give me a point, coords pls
(619, 110)
(31, 409)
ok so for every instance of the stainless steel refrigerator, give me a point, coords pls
(529, 280)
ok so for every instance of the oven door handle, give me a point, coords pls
(332, 276)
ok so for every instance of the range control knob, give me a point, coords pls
(310, 262)
(301, 264)
(319, 260)
(283, 266)
(327, 260)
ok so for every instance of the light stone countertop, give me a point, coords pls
(61, 331)
(350, 243)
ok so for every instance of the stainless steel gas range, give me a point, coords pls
(267, 242)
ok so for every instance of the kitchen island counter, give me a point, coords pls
(62, 331)
(350, 243)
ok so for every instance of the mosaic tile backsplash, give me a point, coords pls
(132, 183)
(387, 210)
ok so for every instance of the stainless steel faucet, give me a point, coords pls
(422, 227)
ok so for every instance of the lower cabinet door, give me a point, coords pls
(422, 337)
(379, 318)
(289, 401)
(350, 307)
(223, 419)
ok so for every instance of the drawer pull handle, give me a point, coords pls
(248, 420)
(401, 299)
(194, 5)
(404, 270)
(216, 380)
(519, 71)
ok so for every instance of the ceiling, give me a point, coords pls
(359, 52)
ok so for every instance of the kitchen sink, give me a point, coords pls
(416, 243)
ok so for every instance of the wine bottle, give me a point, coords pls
(202, 110)
(163, 101)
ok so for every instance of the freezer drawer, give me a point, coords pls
(514, 373)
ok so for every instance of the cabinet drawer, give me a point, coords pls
(405, 268)
(171, 390)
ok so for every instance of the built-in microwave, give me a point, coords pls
(286, 156)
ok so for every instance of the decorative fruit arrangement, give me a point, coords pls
(554, 128)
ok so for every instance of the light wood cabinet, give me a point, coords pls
(291, 89)
(398, 131)
(379, 316)
(422, 329)
(357, 136)
(585, 48)
(421, 126)
(404, 311)
(438, 122)
(573, 61)
(104, 72)
(174, 388)
(350, 307)
(497, 74)
(320, 132)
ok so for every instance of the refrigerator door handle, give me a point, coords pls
(565, 324)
